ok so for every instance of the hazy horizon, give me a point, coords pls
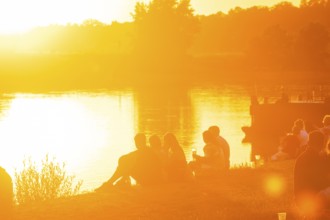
(43, 13)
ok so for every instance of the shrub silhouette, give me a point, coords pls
(51, 181)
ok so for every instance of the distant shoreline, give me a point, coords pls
(28, 73)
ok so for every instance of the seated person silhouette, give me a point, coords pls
(326, 131)
(156, 144)
(162, 152)
(311, 179)
(176, 166)
(222, 143)
(212, 162)
(288, 148)
(142, 164)
(6, 195)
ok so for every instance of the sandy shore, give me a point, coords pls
(240, 194)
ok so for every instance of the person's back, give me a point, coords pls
(147, 169)
(291, 145)
(299, 130)
(6, 194)
(142, 164)
(326, 131)
(213, 161)
(310, 176)
(225, 149)
(177, 169)
(213, 156)
(309, 173)
(222, 143)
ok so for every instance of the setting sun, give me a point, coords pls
(18, 16)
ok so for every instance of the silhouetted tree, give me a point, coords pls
(164, 28)
(309, 3)
(272, 49)
(311, 46)
(92, 23)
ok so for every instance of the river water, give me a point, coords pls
(90, 130)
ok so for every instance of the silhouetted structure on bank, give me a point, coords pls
(270, 121)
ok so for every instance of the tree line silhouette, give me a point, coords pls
(166, 36)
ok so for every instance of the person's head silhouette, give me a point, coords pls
(215, 130)
(140, 140)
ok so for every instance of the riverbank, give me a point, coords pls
(241, 194)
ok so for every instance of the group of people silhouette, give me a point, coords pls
(293, 143)
(296, 142)
(312, 168)
(166, 162)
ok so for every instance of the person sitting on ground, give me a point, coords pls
(177, 168)
(212, 162)
(311, 178)
(222, 144)
(156, 146)
(299, 129)
(6, 195)
(289, 146)
(143, 165)
(326, 131)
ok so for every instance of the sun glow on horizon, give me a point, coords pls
(18, 16)
(65, 127)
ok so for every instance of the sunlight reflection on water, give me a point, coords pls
(90, 130)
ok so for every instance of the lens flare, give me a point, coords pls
(274, 185)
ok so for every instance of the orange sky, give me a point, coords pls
(20, 15)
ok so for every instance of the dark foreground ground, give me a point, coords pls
(244, 193)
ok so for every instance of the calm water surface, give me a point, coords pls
(90, 130)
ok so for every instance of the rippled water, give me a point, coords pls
(89, 130)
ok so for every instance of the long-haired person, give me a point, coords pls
(177, 169)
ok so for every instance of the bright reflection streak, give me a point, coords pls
(211, 108)
(89, 133)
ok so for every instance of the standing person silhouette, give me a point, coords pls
(6, 195)
(222, 144)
